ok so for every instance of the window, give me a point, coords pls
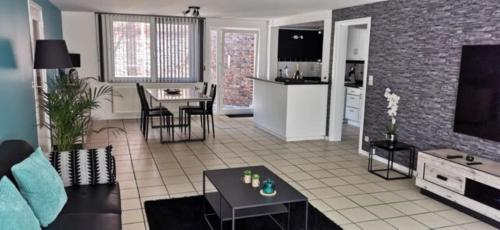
(150, 48)
(131, 49)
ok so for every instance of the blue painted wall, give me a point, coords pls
(51, 19)
(17, 109)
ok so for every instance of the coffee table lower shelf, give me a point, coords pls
(213, 199)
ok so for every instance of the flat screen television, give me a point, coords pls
(478, 101)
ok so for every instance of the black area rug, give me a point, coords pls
(239, 115)
(187, 213)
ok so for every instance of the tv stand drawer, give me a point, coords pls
(444, 177)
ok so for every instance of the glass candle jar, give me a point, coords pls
(268, 186)
(255, 180)
(247, 176)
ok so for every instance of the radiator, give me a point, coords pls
(125, 100)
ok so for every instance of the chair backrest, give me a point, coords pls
(138, 87)
(210, 104)
(144, 101)
(205, 88)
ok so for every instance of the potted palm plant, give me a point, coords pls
(68, 104)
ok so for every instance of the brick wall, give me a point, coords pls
(238, 90)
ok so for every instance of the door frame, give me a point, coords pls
(339, 57)
(35, 12)
(221, 66)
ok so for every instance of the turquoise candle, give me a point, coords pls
(268, 186)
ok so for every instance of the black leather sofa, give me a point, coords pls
(88, 207)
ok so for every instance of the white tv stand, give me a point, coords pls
(475, 187)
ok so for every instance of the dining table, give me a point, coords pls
(169, 95)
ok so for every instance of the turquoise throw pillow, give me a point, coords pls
(15, 213)
(41, 186)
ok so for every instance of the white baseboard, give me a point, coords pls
(290, 139)
(270, 131)
(305, 138)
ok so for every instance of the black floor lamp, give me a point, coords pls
(75, 60)
(52, 54)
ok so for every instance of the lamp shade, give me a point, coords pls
(52, 54)
(75, 60)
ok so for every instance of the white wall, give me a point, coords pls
(274, 24)
(80, 33)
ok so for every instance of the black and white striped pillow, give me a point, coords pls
(85, 166)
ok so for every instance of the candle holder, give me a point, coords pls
(247, 176)
(255, 180)
(268, 188)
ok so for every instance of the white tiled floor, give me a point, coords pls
(331, 174)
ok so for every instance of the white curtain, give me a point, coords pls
(136, 48)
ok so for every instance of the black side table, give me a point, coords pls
(391, 147)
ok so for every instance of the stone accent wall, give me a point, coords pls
(415, 50)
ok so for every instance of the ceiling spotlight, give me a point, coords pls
(193, 11)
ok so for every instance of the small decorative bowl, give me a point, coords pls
(469, 158)
(173, 91)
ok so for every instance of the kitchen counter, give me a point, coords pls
(292, 112)
(292, 81)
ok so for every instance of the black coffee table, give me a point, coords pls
(236, 200)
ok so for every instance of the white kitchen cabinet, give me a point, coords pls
(357, 46)
(353, 106)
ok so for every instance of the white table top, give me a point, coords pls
(186, 94)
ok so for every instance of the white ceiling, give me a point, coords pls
(209, 8)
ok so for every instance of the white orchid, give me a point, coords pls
(392, 106)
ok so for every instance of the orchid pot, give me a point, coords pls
(390, 137)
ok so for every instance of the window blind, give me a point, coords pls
(138, 48)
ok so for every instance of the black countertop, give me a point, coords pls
(353, 85)
(292, 81)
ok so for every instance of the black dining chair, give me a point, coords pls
(138, 87)
(148, 114)
(182, 109)
(205, 112)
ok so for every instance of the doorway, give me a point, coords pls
(350, 54)
(233, 58)
(39, 76)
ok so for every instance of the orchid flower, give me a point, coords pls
(392, 109)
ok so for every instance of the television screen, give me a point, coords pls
(478, 100)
